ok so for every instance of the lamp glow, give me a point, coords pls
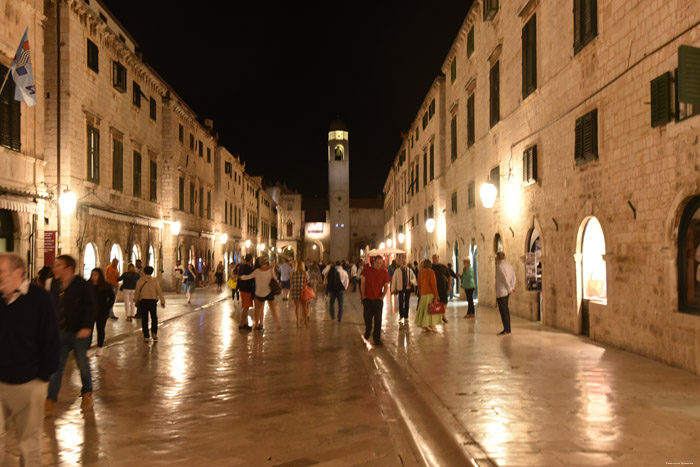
(175, 228)
(401, 238)
(223, 238)
(381, 245)
(430, 225)
(488, 194)
(247, 243)
(314, 247)
(262, 246)
(389, 243)
(67, 202)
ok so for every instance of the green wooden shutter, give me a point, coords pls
(689, 74)
(661, 100)
(10, 115)
(577, 24)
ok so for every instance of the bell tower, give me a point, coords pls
(339, 190)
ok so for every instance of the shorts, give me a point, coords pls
(246, 300)
(188, 286)
(268, 298)
(286, 284)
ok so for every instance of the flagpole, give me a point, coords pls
(7, 75)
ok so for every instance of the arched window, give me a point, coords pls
(689, 258)
(116, 252)
(290, 228)
(497, 243)
(593, 270)
(339, 153)
(135, 254)
(151, 261)
(533, 261)
(89, 260)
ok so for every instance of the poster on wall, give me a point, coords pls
(49, 247)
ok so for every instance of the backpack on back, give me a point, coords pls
(334, 282)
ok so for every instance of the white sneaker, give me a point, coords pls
(98, 352)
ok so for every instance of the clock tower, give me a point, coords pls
(339, 190)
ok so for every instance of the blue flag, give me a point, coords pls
(21, 69)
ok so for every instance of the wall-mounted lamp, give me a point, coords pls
(223, 238)
(247, 243)
(175, 228)
(389, 243)
(67, 201)
(488, 194)
(313, 247)
(401, 238)
(430, 225)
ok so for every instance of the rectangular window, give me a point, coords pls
(181, 190)
(425, 169)
(431, 212)
(136, 94)
(471, 126)
(153, 110)
(453, 138)
(137, 174)
(10, 115)
(432, 162)
(225, 212)
(470, 42)
(201, 201)
(181, 133)
(209, 155)
(586, 145)
(471, 195)
(208, 204)
(431, 109)
(153, 194)
(529, 38)
(495, 179)
(425, 119)
(201, 149)
(117, 165)
(454, 202)
(495, 114)
(93, 154)
(585, 23)
(490, 9)
(93, 56)
(417, 177)
(228, 168)
(192, 193)
(191, 141)
(530, 165)
(453, 70)
(661, 100)
(118, 76)
(413, 178)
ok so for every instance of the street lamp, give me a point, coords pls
(247, 243)
(262, 246)
(314, 247)
(401, 238)
(175, 228)
(389, 243)
(223, 238)
(488, 194)
(67, 202)
(381, 245)
(430, 225)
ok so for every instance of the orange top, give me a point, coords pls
(112, 275)
(427, 284)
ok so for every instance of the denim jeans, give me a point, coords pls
(68, 342)
(333, 296)
(149, 307)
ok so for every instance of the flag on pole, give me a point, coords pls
(22, 73)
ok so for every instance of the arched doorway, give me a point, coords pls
(689, 258)
(134, 254)
(592, 269)
(533, 267)
(89, 260)
(116, 252)
(497, 243)
(7, 231)
(456, 266)
(474, 257)
(151, 260)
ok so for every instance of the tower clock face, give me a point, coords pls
(339, 198)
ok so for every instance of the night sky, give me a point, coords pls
(273, 77)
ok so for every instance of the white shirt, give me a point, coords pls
(505, 279)
(262, 281)
(397, 284)
(285, 271)
(353, 270)
(343, 276)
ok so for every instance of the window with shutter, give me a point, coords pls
(181, 133)
(201, 201)
(417, 176)
(495, 111)
(432, 162)
(192, 198)
(453, 138)
(209, 155)
(10, 115)
(93, 154)
(586, 138)
(529, 39)
(117, 165)
(153, 194)
(490, 9)
(208, 204)
(453, 70)
(153, 110)
(689, 74)
(425, 119)
(425, 169)
(454, 202)
(93, 56)
(530, 165)
(191, 141)
(431, 212)
(137, 174)
(470, 42)
(136, 91)
(585, 23)
(470, 121)
(201, 148)
(661, 100)
(226, 212)
(119, 76)
(181, 191)
(471, 195)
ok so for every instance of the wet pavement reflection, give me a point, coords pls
(208, 394)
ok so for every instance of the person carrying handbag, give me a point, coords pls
(299, 280)
(428, 294)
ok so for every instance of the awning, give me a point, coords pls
(16, 204)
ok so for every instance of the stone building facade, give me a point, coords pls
(290, 220)
(24, 193)
(592, 147)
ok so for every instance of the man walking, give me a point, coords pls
(442, 276)
(337, 283)
(374, 285)
(148, 292)
(112, 276)
(177, 277)
(77, 308)
(246, 289)
(285, 276)
(505, 286)
(402, 282)
(28, 357)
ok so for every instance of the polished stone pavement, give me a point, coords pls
(206, 394)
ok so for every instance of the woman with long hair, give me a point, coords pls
(105, 300)
(427, 284)
(188, 281)
(219, 274)
(298, 280)
(130, 277)
(263, 275)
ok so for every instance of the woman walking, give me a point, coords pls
(219, 274)
(188, 281)
(428, 294)
(468, 285)
(263, 276)
(233, 276)
(130, 277)
(105, 300)
(298, 280)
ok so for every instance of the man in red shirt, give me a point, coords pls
(374, 287)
